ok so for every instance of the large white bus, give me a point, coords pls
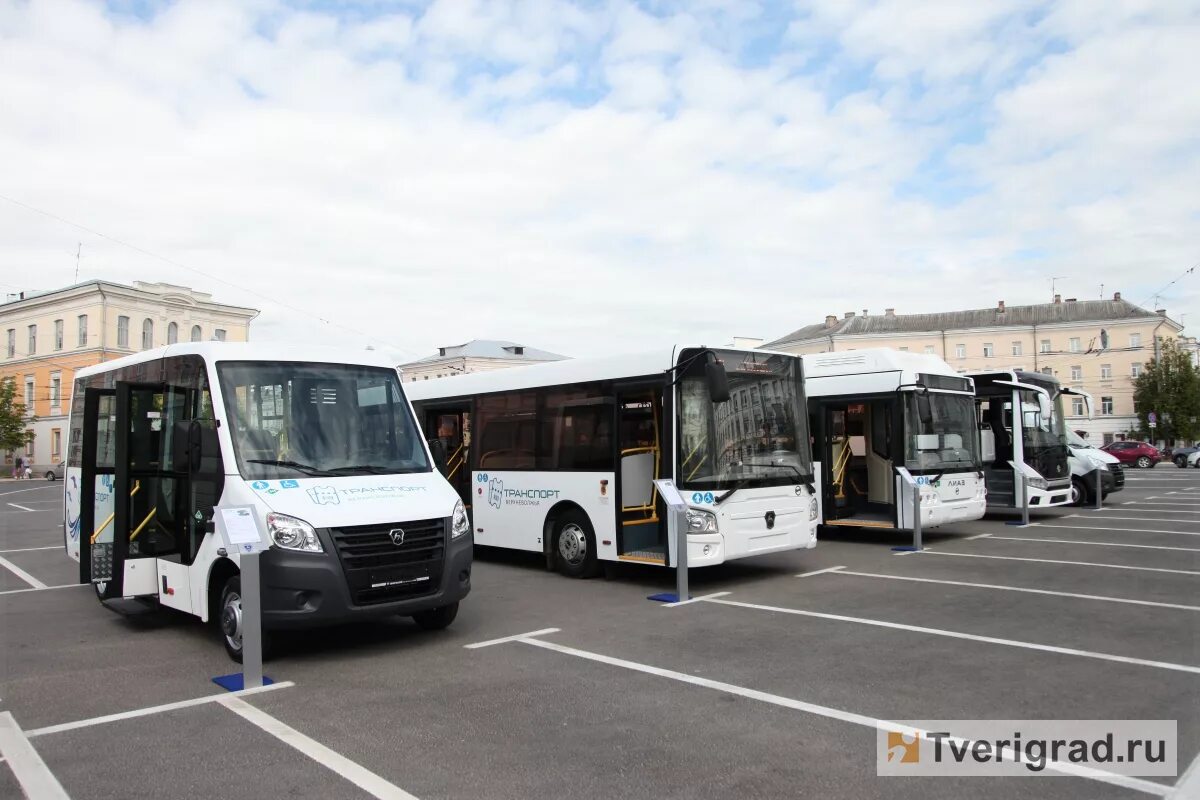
(1033, 442)
(560, 458)
(324, 446)
(880, 413)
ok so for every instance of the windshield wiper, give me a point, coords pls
(804, 477)
(308, 469)
(372, 469)
(738, 484)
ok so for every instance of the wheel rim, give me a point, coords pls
(1143, 462)
(572, 544)
(231, 620)
(1076, 495)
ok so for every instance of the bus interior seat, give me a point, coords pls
(637, 480)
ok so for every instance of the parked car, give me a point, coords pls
(1180, 455)
(1085, 461)
(49, 472)
(1194, 460)
(1139, 454)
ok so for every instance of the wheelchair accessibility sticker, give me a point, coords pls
(702, 497)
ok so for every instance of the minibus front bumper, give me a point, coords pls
(313, 589)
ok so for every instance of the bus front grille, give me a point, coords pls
(394, 561)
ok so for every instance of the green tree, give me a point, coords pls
(13, 432)
(1170, 387)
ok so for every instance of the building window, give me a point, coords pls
(1109, 438)
(1016, 348)
(903, 349)
(1135, 369)
(928, 349)
(29, 395)
(219, 335)
(1106, 406)
(55, 390)
(960, 351)
(11, 349)
(197, 335)
(82, 330)
(29, 448)
(1106, 372)
(1045, 345)
(147, 334)
(32, 339)
(1135, 340)
(1047, 370)
(988, 350)
(1074, 346)
(1076, 373)
(122, 331)
(55, 444)
(58, 334)
(172, 333)
(1077, 406)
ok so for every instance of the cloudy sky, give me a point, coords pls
(600, 175)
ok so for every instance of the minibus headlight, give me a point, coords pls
(701, 521)
(459, 524)
(812, 509)
(293, 534)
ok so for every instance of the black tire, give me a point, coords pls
(50, 477)
(1181, 462)
(574, 546)
(437, 619)
(1143, 462)
(233, 644)
(1079, 492)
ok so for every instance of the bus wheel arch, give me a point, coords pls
(569, 541)
(222, 570)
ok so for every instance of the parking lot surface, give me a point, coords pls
(768, 684)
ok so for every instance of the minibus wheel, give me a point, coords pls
(574, 546)
(1079, 493)
(436, 619)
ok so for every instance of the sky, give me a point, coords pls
(601, 176)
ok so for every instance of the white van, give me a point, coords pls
(1085, 461)
(323, 444)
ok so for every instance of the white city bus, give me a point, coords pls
(560, 458)
(878, 414)
(323, 444)
(1033, 442)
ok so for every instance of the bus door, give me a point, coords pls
(96, 490)
(640, 449)
(452, 425)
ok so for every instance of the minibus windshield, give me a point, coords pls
(296, 419)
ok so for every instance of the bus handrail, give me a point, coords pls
(145, 522)
(136, 486)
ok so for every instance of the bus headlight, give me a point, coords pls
(290, 533)
(1038, 483)
(459, 524)
(701, 521)
(812, 509)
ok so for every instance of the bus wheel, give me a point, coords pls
(230, 619)
(575, 546)
(436, 619)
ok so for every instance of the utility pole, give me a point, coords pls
(78, 251)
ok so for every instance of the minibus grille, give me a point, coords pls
(1118, 475)
(380, 571)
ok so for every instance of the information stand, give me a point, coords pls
(676, 539)
(242, 533)
(915, 487)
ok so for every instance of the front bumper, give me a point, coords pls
(303, 590)
(1109, 481)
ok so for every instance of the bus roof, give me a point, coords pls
(892, 368)
(245, 351)
(555, 373)
(986, 380)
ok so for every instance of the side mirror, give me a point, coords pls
(717, 379)
(924, 409)
(195, 448)
(437, 449)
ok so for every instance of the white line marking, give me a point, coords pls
(815, 572)
(36, 779)
(978, 536)
(44, 588)
(1127, 782)
(22, 574)
(21, 491)
(678, 603)
(145, 712)
(1143, 511)
(1188, 785)
(1120, 530)
(512, 638)
(1096, 544)
(1076, 563)
(974, 637)
(1023, 589)
(23, 508)
(360, 776)
(31, 549)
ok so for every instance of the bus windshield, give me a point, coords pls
(292, 419)
(759, 437)
(940, 432)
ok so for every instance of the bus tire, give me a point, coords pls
(436, 619)
(574, 545)
(229, 620)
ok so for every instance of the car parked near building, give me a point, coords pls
(1139, 454)
(1179, 455)
(1194, 460)
(51, 472)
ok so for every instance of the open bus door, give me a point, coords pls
(452, 426)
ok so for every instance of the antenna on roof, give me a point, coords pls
(1053, 280)
(78, 250)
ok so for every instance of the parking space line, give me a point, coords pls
(43, 589)
(352, 771)
(974, 637)
(23, 508)
(691, 600)
(512, 638)
(978, 536)
(35, 778)
(1145, 511)
(1051, 592)
(815, 572)
(1058, 561)
(31, 549)
(145, 712)
(22, 491)
(828, 712)
(1121, 530)
(1188, 785)
(1096, 544)
(20, 573)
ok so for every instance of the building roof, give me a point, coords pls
(490, 348)
(1067, 311)
(163, 292)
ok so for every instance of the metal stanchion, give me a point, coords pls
(252, 644)
(681, 554)
(916, 516)
(1099, 489)
(1024, 498)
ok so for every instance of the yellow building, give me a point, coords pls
(1097, 346)
(49, 335)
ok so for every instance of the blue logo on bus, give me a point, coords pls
(481, 478)
(289, 483)
(702, 497)
(260, 485)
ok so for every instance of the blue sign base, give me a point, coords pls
(236, 681)
(665, 597)
(905, 548)
(1016, 522)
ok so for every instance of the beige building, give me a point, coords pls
(477, 355)
(1097, 346)
(49, 335)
